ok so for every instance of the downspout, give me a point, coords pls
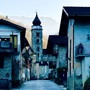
(73, 53)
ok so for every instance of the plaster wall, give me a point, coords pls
(61, 59)
(78, 34)
(6, 69)
(6, 30)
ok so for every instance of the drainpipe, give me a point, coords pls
(73, 52)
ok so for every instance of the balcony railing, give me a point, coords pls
(82, 51)
(6, 47)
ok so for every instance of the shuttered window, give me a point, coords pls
(14, 41)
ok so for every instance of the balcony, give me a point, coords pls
(82, 50)
(6, 47)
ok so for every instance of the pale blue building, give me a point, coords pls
(75, 24)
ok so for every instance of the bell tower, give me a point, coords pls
(36, 37)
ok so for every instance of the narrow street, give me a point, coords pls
(40, 85)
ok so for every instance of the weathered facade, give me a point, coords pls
(57, 48)
(32, 67)
(44, 69)
(36, 33)
(75, 24)
(41, 70)
(11, 38)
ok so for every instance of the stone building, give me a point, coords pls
(75, 24)
(43, 66)
(41, 70)
(40, 65)
(57, 49)
(36, 35)
(12, 37)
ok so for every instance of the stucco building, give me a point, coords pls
(12, 37)
(40, 66)
(57, 49)
(75, 24)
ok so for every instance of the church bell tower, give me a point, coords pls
(36, 37)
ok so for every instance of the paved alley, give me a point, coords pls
(40, 85)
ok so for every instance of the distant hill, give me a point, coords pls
(50, 26)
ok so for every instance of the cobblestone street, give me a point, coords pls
(40, 85)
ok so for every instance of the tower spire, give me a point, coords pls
(36, 32)
(36, 13)
(36, 20)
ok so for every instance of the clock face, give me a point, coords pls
(5, 44)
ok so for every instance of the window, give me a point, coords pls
(37, 41)
(1, 61)
(37, 48)
(37, 54)
(88, 36)
(5, 42)
(14, 41)
(37, 34)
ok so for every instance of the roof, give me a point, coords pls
(77, 13)
(36, 21)
(9, 22)
(56, 40)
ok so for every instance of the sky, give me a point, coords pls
(45, 8)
